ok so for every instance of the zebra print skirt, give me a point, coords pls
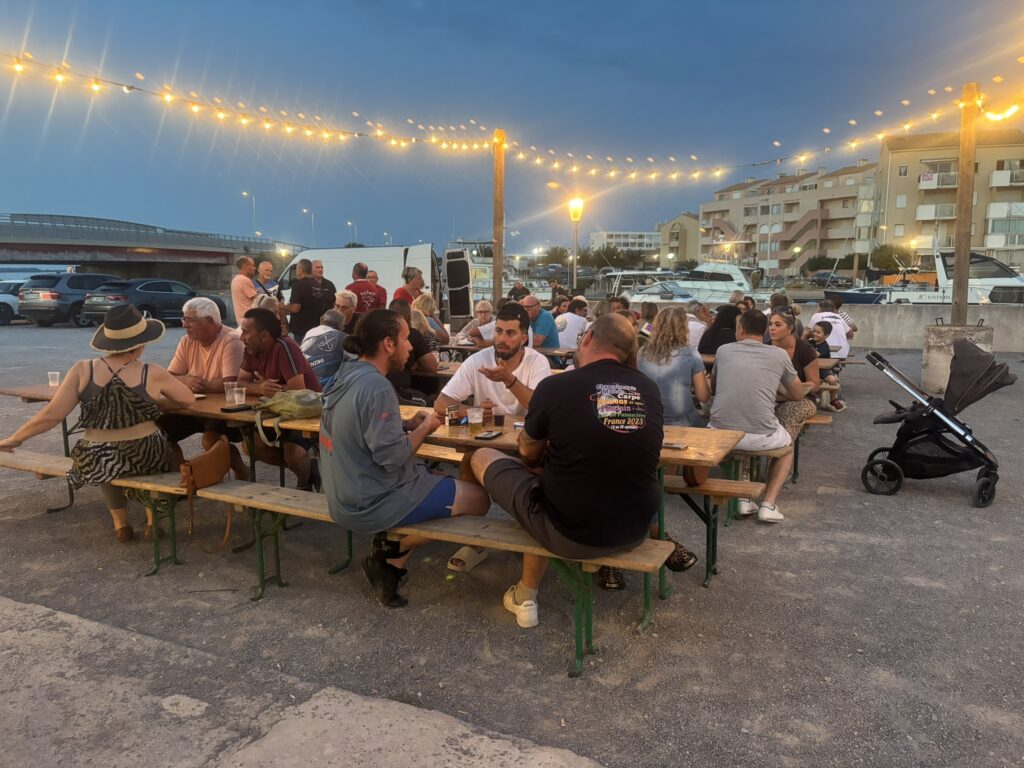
(97, 463)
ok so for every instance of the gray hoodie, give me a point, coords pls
(370, 473)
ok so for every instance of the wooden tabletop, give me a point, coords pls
(823, 362)
(35, 393)
(469, 349)
(702, 447)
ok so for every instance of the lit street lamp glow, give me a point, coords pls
(575, 214)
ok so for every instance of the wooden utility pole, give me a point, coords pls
(498, 248)
(964, 202)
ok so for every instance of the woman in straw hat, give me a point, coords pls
(121, 399)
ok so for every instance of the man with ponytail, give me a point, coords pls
(371, 476)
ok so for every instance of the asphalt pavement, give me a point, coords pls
(861, 631)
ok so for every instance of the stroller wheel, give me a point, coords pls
(987, 472)
(878, 453)
(984, 492)
(882, 477)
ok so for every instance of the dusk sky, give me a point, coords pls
(719, 80)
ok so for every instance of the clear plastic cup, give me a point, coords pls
(238, 395)
(476, 420)
(53, 378)
(229, 387)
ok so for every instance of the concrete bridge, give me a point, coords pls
(127, 249)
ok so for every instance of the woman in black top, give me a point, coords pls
(721, 331)
(793, 414)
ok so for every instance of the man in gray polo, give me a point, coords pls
(747, 378)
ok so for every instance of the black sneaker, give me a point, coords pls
(681, 558)
(384, 577)
(610, 578)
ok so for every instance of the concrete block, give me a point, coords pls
(938, 351)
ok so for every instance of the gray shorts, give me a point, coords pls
(516, 489)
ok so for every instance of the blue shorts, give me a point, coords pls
(437, 504)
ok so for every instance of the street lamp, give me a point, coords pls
(387, 239)
(575, 213)
(312, 221)
(252, 197)
(355, 231)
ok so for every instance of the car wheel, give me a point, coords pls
(43, 323)
(147, 313)
(78, 318)
(6, 314)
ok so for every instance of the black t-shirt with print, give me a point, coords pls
(305, 293)
(603, 424)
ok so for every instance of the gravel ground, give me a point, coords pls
(863, 630)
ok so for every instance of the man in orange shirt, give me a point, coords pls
(208, 356)
(243, 289)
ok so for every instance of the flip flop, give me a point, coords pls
(466, 559)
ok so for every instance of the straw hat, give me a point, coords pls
(125, 329)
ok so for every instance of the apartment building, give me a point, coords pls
(778, 224)
(680, 240)
(627, 241)
(918, 180)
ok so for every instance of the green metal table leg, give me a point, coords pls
(588, 612)
(732, 472)
(65, 435)
(664, 588)
(163, 506)
(348, 560)
(796, 457)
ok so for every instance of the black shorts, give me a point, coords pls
(517, 490)
(178, 427)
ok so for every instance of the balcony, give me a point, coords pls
(1004, 240)
(1007, 179)
(942, 180)
(936, 212)
(840, 234)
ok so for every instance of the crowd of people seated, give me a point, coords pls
(585, 482)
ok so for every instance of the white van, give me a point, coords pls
(387, 261)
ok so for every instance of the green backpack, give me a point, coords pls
(287, 405)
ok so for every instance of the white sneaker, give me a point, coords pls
(526, 611)
(747, 507)
(769, 513)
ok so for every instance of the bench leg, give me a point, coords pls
(732, 472)
(708, 514)
(260, 533)
(581, 585)
(163, 506)
(645, 622)
(71, 500)
(348, 560)
(65, 435)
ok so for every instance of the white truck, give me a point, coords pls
(387, 261)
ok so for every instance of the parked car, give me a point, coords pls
(9, 301)
(826, 279)
(158, 299)
(58, 297)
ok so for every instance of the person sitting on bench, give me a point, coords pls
(746, 376)
(596, 432)
(207, 357)
(371, 477)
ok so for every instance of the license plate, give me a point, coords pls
(95, 300)
(32, 296)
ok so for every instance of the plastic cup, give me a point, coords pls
(476, 420)
(229, 387)
(238, 395)
(53, 378)
(499, 419)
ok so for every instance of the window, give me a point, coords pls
(901, 201)
(180, 288)
(903, 170)
(764, 210)
(828, 184)
(846, 202)
(750, 210)
(898, 230)
(776, 209)
(737, 195)
(980, 267)
(848, 181)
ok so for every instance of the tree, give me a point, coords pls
(687, 264)
(354, 245)
(889, 257)
(557, 254)
(586, 257)
(632, 258)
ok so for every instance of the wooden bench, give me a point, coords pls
(716, 492)
(756, 459)
(279, 503)
(647, 558)
(817, 420)
(439, 454)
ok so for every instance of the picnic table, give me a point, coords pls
(824, 363)
(468, 349)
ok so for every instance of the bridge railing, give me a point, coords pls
(45, 228)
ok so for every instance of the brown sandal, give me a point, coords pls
(124, 534)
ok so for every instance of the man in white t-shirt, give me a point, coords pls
(698, 319)
(502, 377)
(838, 338)
(571, 324)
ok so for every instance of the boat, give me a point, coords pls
(990, 281)
(663, 292)
(712, 282)
(622, 282)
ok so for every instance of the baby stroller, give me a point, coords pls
(931, 441)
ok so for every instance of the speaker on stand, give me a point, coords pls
(460, 283)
